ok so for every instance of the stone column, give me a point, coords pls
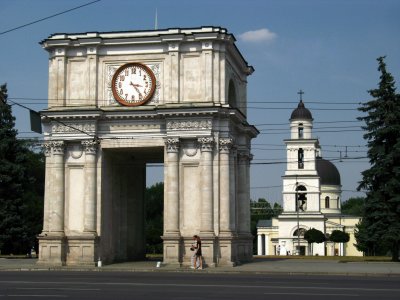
(259, 244)
(206, 189)
(243, 197)
(47, 187)
(52, 240)
(226, 214)
(172, 185)
(90, 148)
(172, 241)
(58, 186)
(207, 201)
(266, 245)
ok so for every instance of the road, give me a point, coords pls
(191, 285)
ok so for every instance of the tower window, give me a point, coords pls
(301, 131)
(301, 198)
(327, 202)
(300, 159)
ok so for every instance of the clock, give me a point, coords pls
(133, 84)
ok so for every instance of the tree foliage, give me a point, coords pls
(262, 210)
(154, 203)
(338, 236)
(314, 236)
(21, 186)
(381, 218)
(353, 206)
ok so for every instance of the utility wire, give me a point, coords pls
(49, 17)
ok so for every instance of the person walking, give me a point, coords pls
(197, 259)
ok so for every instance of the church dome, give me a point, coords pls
(327, 172)
(301, 113)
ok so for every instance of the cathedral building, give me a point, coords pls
(311, 199)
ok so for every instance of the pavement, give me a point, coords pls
(259, 265)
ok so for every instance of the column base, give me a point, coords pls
(172, 248)
(245, 247)
(52, 249)
(82, 250)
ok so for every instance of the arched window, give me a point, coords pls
(301, 198)
(327, 202)
(300, 158)
(232, 94)
(301, 131)
(299, 232)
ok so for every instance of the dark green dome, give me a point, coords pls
(327, 171)
(301, 113)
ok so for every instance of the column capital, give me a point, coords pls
(172, 145)
(244, 155)
(47, 148)
(225, 144)
(58, 147)
(206, 143)
(90, 146)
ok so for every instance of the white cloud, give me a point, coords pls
(259, 35)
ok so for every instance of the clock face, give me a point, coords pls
(133, 84)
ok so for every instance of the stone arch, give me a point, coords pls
(232, 95)
(302, 230)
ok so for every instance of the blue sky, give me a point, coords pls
(327, 48)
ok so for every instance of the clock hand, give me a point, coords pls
(134, 84)
(137, 90)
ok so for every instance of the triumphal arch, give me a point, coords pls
(120, 100)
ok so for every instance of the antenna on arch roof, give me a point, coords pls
(156, 21)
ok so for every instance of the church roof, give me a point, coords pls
(264, 223)
(328, 173)
(301, 113)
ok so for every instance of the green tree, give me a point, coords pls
(382, 180)
(154, 203)
(13, 232)
(353, 206)
(314, 236)
(33, 197)
(262, 210)
(338, 236)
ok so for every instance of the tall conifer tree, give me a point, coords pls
(381, 220)
(12, 175)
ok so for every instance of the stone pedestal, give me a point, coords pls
(82, 250)
(51, 250)
(173, 246)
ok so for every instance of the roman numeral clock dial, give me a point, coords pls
(133, 84)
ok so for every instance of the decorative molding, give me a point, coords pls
(47, 148)
(172, 145)
(90, 146)
(189, 125)
(58, 147)
(73, 128)
(225, 144)
(191, 149)
(76, 151)
(206, 143)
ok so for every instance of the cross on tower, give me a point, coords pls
(301, 94)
